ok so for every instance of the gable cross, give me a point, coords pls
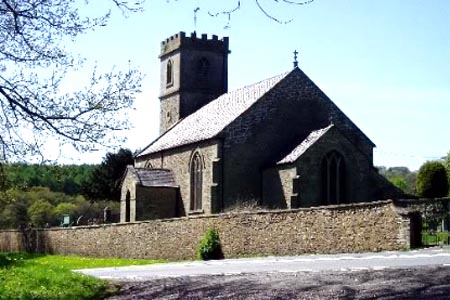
(295, 59)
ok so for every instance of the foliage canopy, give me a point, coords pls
(401, 177)
(68, 179)
(104, 182)
(432, 180)
(41, 207)
(447, 167)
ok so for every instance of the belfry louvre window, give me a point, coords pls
(169, 73)
(196, 182)
(202, 71)
(333, 178)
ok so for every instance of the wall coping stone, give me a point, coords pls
(401, 206)
(337, 207)
(406, 207)
(355, 227)
(401, 202)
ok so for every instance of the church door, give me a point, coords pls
(196, 182)
(333, 178)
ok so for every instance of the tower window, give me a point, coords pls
(333, 178)
(169, 73)
(196, 170)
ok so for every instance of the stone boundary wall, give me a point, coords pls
(375, 226)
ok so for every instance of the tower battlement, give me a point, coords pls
(194, 71)
(194, 42)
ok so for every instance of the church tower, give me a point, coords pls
(194, 71)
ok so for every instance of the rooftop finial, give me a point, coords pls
(295, 59)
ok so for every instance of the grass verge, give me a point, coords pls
(436, 238)
(34, 276)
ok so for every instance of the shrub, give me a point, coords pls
(209, 246)
(432, 180)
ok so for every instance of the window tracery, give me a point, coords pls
(196, 170)
(333, 178)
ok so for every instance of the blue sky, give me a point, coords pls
(385, 63)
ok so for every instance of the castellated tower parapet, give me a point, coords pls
(194, 71)
(180, 40)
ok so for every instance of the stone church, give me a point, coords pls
(280, 143)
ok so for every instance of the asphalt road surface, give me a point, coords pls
(423, 274)
(431, 283)
(291, 264)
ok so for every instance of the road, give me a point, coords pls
(423, 274)
(293, 264)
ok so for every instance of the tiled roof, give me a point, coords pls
(212, 118)
(153, 177)
(313, 137)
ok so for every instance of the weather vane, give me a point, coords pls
(295, 59)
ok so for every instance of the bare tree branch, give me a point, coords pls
(269, 15)
(266, 12)
(227, 13)
(296, 2)
(33, 65)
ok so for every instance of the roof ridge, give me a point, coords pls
(205, 124)
(245, 87)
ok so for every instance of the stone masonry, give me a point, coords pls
(193, 84)
(375, 226)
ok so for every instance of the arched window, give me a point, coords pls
(333, 178)
(169, 73)
(148, 165)
(202, 71)
(196, 181)
(127, 207)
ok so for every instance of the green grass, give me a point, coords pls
(435, 239)
(27, 276)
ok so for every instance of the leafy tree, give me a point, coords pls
(432, 180)
(447, 167)
(41, 206)
(4, 183)
(33, 66)
(41, 213)
(399, 182)
(401, 177)
(65, 208)
(67, 178)
(105, 180)
(13, 210)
